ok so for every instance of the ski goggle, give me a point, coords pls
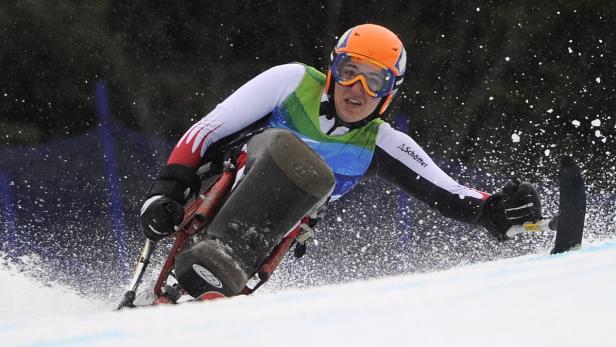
(377, 80)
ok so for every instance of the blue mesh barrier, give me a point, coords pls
(74, 202)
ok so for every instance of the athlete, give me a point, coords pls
(338, 116)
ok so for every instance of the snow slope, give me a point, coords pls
(24, 298)
(561, 300)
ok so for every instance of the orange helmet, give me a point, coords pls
(374, 44)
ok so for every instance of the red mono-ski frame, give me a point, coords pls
(198, 216)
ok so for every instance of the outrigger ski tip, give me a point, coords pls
(569, 223)
(571, 207)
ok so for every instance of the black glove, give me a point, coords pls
(159, 217)
(163, 209)
(516, 204)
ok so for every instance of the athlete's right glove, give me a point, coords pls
(160, 216)
(163, 209)
(515, 204)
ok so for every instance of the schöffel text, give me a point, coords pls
(406, 149)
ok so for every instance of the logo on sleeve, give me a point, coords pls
(406, 149)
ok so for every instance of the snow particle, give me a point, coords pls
(570, 50)
(597, 133)
(598, 79)
(507, 58)
(478, 9)
(338, 219)
(515, 137)
(576, 123)
(550, 110)
(547, 152)
(596, 123)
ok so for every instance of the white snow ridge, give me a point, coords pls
(560, 300)
(23, 298)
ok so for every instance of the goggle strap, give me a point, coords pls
(386, 103)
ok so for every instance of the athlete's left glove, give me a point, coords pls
(515, 204)
(163, 209)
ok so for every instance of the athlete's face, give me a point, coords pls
(352, 102)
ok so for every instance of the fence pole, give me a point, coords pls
(111, 174)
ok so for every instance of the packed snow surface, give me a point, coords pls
(539, 300)
(24, 298)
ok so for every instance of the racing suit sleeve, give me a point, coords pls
(401, 161)
(251, 102)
